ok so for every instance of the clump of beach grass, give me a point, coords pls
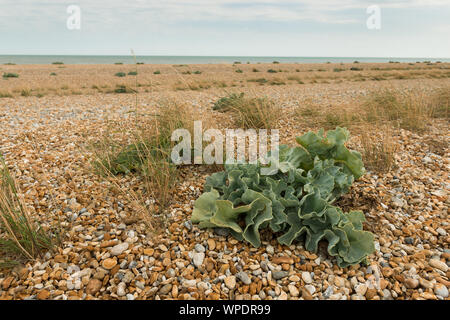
(440, 101)
(378, 148)
(411, 110)
(258, 113)
(147, 154)
(21, 238)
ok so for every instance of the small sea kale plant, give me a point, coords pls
(296, 202)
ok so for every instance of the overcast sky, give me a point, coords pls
(324, 28)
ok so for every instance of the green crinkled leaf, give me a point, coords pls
(360, 245)
(227, 216)
(330, 179)
(216, 181)
(295, 230)
(332, 147)
(205, 207)
(260, 212)
(210, 212)
(318, 220)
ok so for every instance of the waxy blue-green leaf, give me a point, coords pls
(332, 147)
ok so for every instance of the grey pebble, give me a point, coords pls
(277, 275)
(199, 248)
(221, 232)
(243, 276)
(188, 225)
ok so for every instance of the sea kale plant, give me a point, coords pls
(296, 202)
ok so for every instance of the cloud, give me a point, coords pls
(218, 27)
(160, 11)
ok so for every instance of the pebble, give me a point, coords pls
(224, 232)
(243, 276)
(197, 258)
(336, 296)
(361, 289)
(328, 292)
(230, 282)
(311, 289)
(294, 278)
(397, 202)
(283, 296)
(277, 275)
(189, 283)
(140, 285)
(306, 294)
(441, 290)
(306, 276)
(121, 289)
(425, 283)
(293, 291)
(188, 225)
(411, 283)
(438, 265)
(93, 286)
(119, 248)
(199, 248)
(109, 263)
(339, 282)
(270, 250)
(165, 289)
(43, 295)
(211, 244)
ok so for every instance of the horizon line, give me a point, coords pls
(230, 56)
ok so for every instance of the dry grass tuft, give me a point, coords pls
(378, 148)
(307, 109)
(440, 101)
(381, 106)
(20, 237)
(142, 147)
(255, 113)
(411, 111)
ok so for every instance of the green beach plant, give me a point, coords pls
(10, 75)
(296, 201)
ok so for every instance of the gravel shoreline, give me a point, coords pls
(107, 254)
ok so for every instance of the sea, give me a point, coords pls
(110, 59)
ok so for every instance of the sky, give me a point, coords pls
(293, 28)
